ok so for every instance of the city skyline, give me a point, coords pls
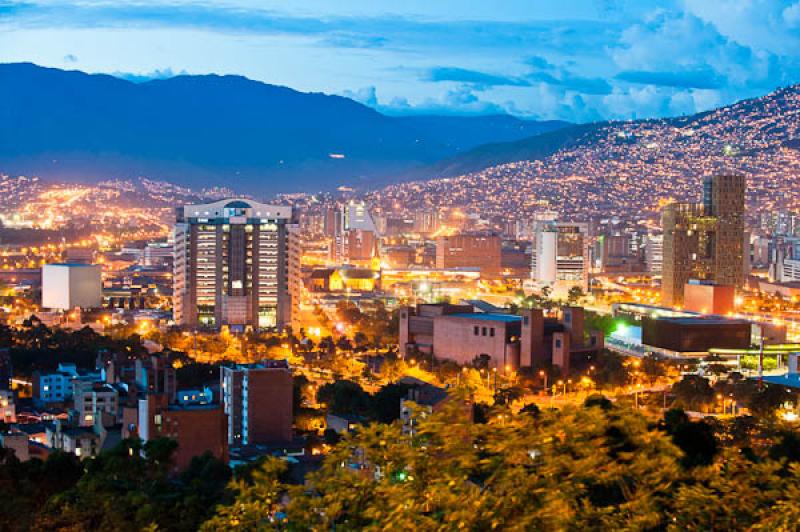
(579, 62)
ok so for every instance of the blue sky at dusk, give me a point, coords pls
(572, 60)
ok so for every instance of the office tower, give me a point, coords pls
(560, 257)
(235, 262)
(479, 250)
(257, 399)
(705, 241)
(654, 253)
(355, 237)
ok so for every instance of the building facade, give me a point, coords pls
(235, 265)
(478, 250)
(560, 257)
(705, 241)
(66, 286)
(257, 399)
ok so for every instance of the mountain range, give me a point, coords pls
(222, 131)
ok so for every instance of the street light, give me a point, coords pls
(543, 375)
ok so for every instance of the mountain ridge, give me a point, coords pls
(218, 129)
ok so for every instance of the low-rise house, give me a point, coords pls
(83, 442)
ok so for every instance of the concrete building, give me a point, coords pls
(257, 399)
(355, 234)
(654, 253)
(560, 257)
(483, 251)
(695, 334)
(83, 442)
(197, 428)
(458, 333)
(95, 401)
(66, 286)
(705, 241)
(784, 259)
(235, 264)
(708, 298)
(58, 386)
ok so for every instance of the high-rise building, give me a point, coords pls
(258, 402)
(235, 265)
(654, 253)
(355, 237)
(560, 257)
(705, 241)
(479, 250)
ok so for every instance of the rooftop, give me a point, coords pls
(504, 318)
(704, 321)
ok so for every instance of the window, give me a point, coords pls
(558, 343)
(525, 320)
(491, 331)
(483, 332)
(475, 330)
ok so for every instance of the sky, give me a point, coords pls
(575, 60)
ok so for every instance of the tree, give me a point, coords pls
(129, 488)
(577, 468)
(344, 398)
(696, 439)
(386, 402)
(574, 295)
(694, 391)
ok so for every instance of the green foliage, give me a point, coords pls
(129, 488)
(348, 398)
(591, 468)
(345, 398)
(695, 439)
(694, 391)
(37, 347)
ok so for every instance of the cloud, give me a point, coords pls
(472, 77)
(144, 77)
(791, 15)
(354, 40)
(614, 59)
(366, 95)
(460, 101)
(70, 58)
(703, 78)
(543, 71)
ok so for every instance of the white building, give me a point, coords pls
(654, 253)
(560, 258)
(95, 399)
(66, 286)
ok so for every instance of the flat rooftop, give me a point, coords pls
(487, 316)
(704, 321)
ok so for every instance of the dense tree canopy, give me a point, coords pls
(599, 466)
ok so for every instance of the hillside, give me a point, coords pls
(218, 130)
(620, 168)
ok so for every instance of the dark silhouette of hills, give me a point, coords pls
(221, 130)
